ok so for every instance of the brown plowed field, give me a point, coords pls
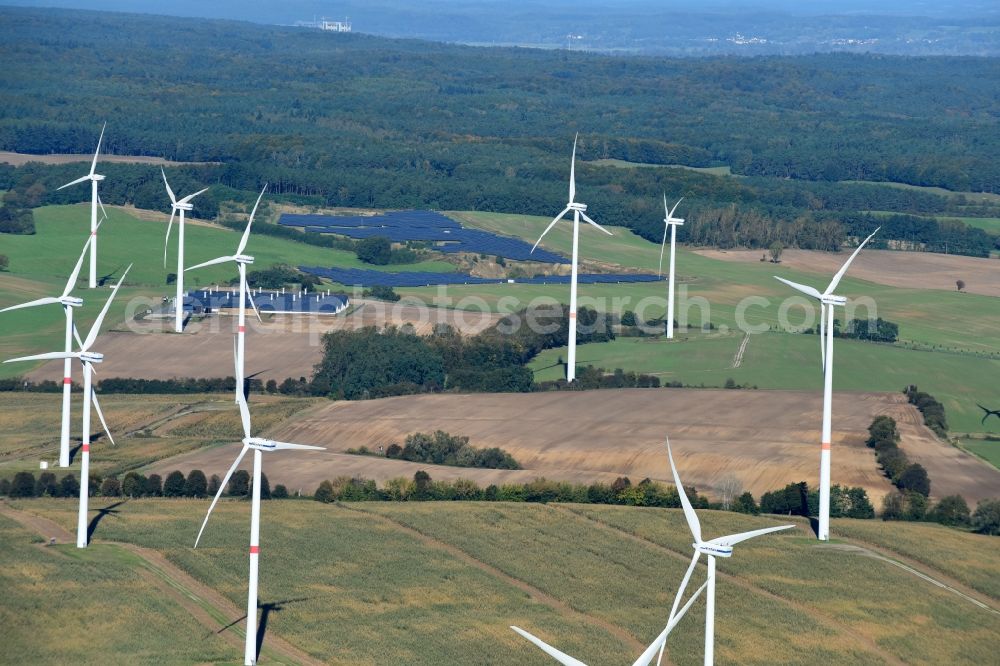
(18, 159)
(766, 439)
(283, 346)
(909, 270)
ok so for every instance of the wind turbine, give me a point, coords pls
(579, 210)
(670, 222)
(68, 303)
(719, 547)
(241, 262)
(88, 359)
(94, 179)
(827, 300)
(259, 445)
(175, 206)
(644, 659)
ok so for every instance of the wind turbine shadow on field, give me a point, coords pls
(104, 278)
(246, 383)
(265, 613)
(109, 510)
(74, 451)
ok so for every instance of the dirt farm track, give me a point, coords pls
(765, 439)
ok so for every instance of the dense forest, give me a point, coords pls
(353, 120)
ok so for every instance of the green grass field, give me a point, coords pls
(988, 450)
(788, 361)
(623, 164)
(439, 583)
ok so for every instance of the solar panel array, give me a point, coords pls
(267, 301)
(422, 225)
(355, 276)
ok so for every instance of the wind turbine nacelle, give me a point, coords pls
(259, 443)
(577, 206)
(713, 549)
(834, 300)
(91, 357)
(98, 177)
(676, 221)
(183, 206)
(71, 301)
(243, 259)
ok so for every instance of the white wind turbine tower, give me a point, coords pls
(579, 210)
(68, 303)
(88, 358)
(670, 222)
(241, 262)
(827, 300)
(719, 547)
(259, 445)
(178, 206)
(94, 179)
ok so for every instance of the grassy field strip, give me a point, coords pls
(536, 594)
(586, 569)
(988, 450)
(919, 574)
(864, 642)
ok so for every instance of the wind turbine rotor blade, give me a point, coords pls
(166, 241)
(93, 165)
(79, 342)
(663, 245)
(804, 288)
(170, 192)
(671, 214)
(30, 304)
(254, 306)
(733, 539)
(95, 329)
(297, 447)
(689, 514)
(584, 216)
(549, 228)
(246, 232)
(71, 282)
(74, 182)
(244, 410)
(210, 262)
(561, 657)
(222, 489)
(188, 198)
(677, 600)
(100, 414)
(101, 204)
(572, 171)
(843, 269)
(44, 357)
(658, 644)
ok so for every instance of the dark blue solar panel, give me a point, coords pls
(445, 234)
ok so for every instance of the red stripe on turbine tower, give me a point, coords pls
(86, 448)
(825, 446)
(572, 315)
(67, 380)
(254, 550)
(242, 329)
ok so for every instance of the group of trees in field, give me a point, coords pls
(371, 363)
(279, 275)
(931, 409)
(134, 484)
(909, 478)
(378, 250)
(798, 499)
(441, 448)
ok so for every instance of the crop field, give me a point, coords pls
(438, 583)
(146, 428)
(986, 449)
(790, 361)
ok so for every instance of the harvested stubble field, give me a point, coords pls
(436, 583)
(765, 439)
(279, 347)
(906, 270)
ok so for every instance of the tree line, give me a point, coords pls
(441, 448)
